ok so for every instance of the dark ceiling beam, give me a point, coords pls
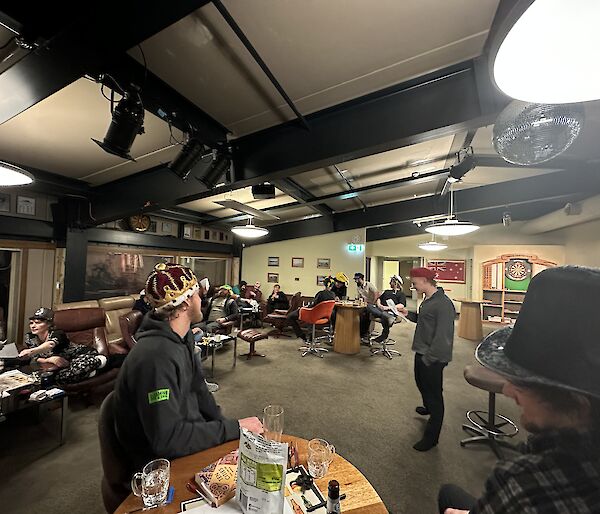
(562, 185)
(88, 36)
(301, 195)
(56, 185)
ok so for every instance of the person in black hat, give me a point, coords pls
(52, 350)
(552, 365)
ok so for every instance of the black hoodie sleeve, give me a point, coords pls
(159, 400)
(234, 311)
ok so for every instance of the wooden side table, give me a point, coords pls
(469, 323)
(347, 328)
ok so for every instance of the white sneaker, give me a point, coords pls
(212, 386)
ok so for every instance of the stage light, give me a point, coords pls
(219, 165)
(127, 122)
(187, 158)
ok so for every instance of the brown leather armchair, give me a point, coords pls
(87, 326)
(129, 323)
(278, 318)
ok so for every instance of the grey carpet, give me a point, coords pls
(363, 405)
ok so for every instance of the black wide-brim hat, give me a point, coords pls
(556, 338)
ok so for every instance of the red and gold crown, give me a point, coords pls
(170, 284)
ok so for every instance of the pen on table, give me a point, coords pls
(143, 508)
(323, 504)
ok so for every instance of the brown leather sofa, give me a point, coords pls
(87, 326)
(130, 322)
(114, 307)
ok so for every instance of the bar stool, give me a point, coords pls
(383, 348)
(489, 428)
(318, 315)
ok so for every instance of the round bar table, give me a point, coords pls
(361, 498)
(346, 338)
(469, 323)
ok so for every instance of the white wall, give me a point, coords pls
(333, 246)
(582, 244)
(40, 282)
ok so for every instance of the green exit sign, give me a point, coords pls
(356, 248)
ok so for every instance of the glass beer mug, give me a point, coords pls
(320, 456)
(152, 484)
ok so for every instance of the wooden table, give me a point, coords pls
(361, 498)
(469, 323)
(347, 328)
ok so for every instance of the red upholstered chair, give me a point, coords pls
(129, 323)
(87, 326)
(278, 318)
(318, 315)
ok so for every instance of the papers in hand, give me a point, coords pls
(394, 310)
(8, 350)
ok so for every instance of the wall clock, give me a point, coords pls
(139, 222)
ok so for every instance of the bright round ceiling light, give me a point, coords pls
(451, 227)
(527, 134)
(549, 53)
(11, 175)
(249, 231)
(432, 246)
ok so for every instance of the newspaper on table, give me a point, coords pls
(262, 468)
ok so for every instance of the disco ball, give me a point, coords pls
(527, 133)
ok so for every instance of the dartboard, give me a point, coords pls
(518, 270)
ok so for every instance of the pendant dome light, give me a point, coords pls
(249, 231)
(451, 226)
(433, 245)
(11, 175)
(545, 52)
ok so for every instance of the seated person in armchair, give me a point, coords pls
(277, 300)
(321, 296)
(52, 350)
(221, 308)
(382, 310)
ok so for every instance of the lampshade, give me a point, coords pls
(451, 227)
(527, 134)
(547, 50)
(249, 231)
(11, 175)
(432, 246)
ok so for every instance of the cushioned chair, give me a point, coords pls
(318, 315)
(383, 348)
(489, 428)
(114, 308)
(86, 326)
(129, 323)
(116, 477)
(278, 318)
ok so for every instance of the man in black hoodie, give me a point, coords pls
(162, 405)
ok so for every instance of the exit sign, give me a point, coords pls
(356, 248)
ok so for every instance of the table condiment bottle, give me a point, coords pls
(333, 497)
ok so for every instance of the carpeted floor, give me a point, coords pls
(363, 405)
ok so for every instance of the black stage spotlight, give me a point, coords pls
(220, 164)
(127, 122)
(187, 158)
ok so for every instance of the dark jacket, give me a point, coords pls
(322, 296)
(341, 292)
(279, 302)
(434, 335)
(232, 311)
(162, 405)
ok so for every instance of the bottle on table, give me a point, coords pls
(333, 497)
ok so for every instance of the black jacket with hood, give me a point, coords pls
(162, 405)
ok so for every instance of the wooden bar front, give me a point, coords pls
(347, 329)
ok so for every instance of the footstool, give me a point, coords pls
(251, 335)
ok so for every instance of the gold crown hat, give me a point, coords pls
(170, 284)
(342, 277)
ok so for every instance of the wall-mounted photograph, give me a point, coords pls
(297, 262)
(4, 202)
(272, 261)
(26, 205)
(320, 280)
(273, 278)
(323, 263)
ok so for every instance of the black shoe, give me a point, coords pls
(424, 445)
(380, 339)
(422, 411)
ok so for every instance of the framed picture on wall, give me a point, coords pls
(272, 261)
(273, 278)
(4, 202)
(187, 231)
(320, 280)
(297, 262)
(323, 263)
(166, 226)
(26, 205)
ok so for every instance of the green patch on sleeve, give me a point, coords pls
(160, 395)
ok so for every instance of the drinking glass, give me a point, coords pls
(320, 455)
(273, 422)
(152, 484)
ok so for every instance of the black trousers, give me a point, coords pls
(429, 381)
(292, 319)
(453, 497)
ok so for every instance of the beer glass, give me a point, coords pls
(273, 422)
(320, 456)
(152, 484)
